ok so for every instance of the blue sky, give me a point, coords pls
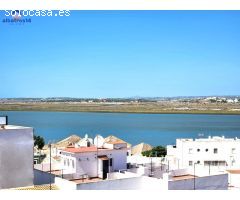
(122, 54)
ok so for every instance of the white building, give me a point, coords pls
(208, 152)
(94, 160)
(234, 179)
(230, 100)
(16, 156)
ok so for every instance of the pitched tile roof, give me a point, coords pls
(68, 141)
(115, 140)
(138, 149)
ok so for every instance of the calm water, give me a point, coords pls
(154, 129)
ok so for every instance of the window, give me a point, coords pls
(190, 151)
(214, 163)
(190, 163)
(206, 150)
(64, 162)
(215, 150)
(110, 162)
(233, 150)
(68, 162)
(198, 150)
(198, 162)
(73, 163)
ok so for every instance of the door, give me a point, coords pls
(105, 168)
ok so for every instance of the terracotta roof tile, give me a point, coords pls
(236, 171)
(138, 149)
(81, 149)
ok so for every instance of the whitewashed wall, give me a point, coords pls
(118, 175)
(64, 184)
(234, 180)
(217, 182)
(119, 159)
(88, 163)
(134, 183)
(46, 167)
(180, 156)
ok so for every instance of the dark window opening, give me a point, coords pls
(190, 163)
(88, 144)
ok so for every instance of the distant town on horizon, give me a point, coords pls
(133, 97)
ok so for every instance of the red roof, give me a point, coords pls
(236, 171)
(81, 149)
(86, 149)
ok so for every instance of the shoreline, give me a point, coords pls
(131, 108)
(123, 112)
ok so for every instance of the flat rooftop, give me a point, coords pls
(87, 180)
(11, 127)
(209, 139)
(81, 149)
(86, 149)
(183, 177)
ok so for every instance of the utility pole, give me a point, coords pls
(97, 155)
(194, 180)
(50, 182)
(151, 166)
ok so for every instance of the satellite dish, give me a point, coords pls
(98, 141)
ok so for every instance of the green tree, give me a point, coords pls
(157, 151)
(39, 141)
